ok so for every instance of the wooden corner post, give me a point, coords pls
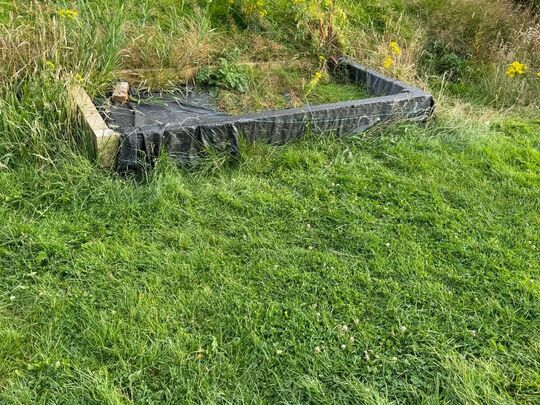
(105, 140)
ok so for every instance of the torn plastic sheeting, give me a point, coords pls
(185, 128)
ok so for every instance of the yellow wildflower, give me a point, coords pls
(516, 69)
(388, 62)
(394, 48)
(79, 78)
(538, 73)
(50, 65)
(68, 13)
(315, 80)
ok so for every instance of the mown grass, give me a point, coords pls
(393, 267)
(401, 266)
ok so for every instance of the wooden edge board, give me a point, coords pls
(106, 141)
(156, 76)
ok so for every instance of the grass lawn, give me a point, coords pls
(398, 266)
(401, 266)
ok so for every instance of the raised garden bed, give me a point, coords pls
(190, 120)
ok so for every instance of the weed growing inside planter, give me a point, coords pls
(228, 75)
(241, 89)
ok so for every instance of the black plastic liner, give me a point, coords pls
(186, 126)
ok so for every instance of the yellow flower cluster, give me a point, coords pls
(393, 50)
(68, 13)
(50, 65)
(388, 62)
(251, 7)
(263, 12)
(516, 69)
(315, 80)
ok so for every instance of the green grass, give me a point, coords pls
(398, 266)
(417, 249)
(287, 87)
(335, 92)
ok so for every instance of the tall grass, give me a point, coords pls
(41, 52)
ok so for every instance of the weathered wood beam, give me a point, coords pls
(105, 140)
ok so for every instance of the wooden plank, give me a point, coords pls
(106, 141)
(156, 77)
